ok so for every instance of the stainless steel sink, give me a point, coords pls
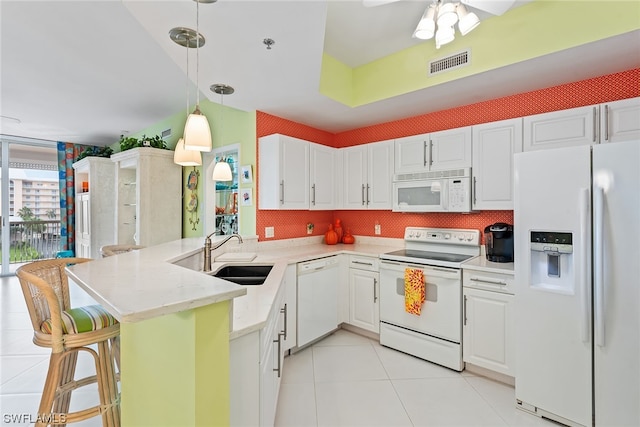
(245, 274)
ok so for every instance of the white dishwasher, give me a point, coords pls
(317, 298)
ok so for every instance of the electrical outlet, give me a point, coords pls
(268, 232)
(377, 229)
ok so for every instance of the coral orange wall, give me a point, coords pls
(289, 224)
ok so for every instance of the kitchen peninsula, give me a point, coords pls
(176, 322)
(175, 325)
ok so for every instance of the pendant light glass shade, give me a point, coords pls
(197, 133)
(439, 20)
(222, 171)
(184, 157)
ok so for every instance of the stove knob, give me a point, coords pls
(447, 236)
(460, 237)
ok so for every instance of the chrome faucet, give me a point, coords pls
(208, 248)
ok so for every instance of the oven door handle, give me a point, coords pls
(399, 266)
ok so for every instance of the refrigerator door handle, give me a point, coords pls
(598, 265)
(583, 276)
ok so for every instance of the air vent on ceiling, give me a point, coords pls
(166, 133)
(451, 62)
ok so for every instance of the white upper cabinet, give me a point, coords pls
(411, 154)
(448, 149)
(620, 121)
(325, 171)
(611, 122)
(566, 128)
(283, 173)
(368, 173)
(494, 145)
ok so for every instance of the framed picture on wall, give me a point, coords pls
(246, 175)
(246, 196)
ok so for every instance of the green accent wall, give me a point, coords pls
(529, 31)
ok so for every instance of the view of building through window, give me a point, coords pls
(30, 200)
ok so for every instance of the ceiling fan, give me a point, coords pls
(494, 7)
(446, 13)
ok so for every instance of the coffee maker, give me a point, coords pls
(498, 242)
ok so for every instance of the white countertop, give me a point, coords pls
(144, 284)
(480, 263)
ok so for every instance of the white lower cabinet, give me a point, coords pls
(488, 328)
(255, 370)
(364, 292)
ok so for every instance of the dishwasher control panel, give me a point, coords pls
(317, 264)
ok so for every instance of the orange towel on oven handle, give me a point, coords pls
(414, 290)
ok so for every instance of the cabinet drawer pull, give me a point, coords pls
(493, 282)
(362, 263)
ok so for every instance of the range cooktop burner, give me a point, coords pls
(444, 247)
(427, 255)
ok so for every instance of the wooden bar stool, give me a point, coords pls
(110, 250)
(68, 331)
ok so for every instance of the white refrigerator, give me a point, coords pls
(577, 272)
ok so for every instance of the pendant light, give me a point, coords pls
(197, 133)
(222, 170)
(181, 156)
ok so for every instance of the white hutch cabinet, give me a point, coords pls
(95, 205)
(148, 197)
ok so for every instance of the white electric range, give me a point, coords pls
(436, 333)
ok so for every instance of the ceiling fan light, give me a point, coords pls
(197, 134)
(444, 35)
(467, 20)
(447, 16)
(222, 171)
(184, 157)
(426, 27)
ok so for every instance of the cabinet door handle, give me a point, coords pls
(595, 116)
(430, 153)
(475, 190)
(424, 153)
(282, 192)
(606, 122)
(283, 310)
(362, 194)
(464, 311)
(313, 194)
(375, 295)
(278, 341)
(367, 194)
(493, 282)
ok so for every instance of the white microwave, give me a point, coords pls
(437, 191)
